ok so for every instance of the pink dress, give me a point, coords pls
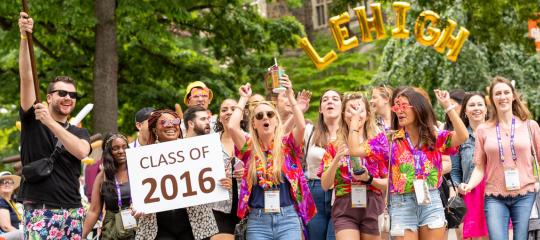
(474, 222)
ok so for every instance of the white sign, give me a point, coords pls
(176, 174)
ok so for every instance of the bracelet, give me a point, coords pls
(23, 37)
(449, 108)
(356, 130)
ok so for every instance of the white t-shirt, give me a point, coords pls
(313, 155)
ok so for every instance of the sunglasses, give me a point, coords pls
(64, 93)
(169, 122)
(269, 114)
(400, 107)
(6, 182)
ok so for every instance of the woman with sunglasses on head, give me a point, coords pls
(503, 157)
(316, 139)
(225, 211)
(111, 189)
(358, 182)
(10, 217)
(380, 103)
(195, 222)
(415, 170)
(274, 195)
(473, 113)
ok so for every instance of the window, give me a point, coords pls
(320, 13)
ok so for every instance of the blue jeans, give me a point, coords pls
(320, 227)
(500, 209)
(285, 225)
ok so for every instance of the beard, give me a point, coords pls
(202, 130)
(57, 109)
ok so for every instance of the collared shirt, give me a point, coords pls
(402, 170)
(343, 179)
(300, 194)
(135, 143)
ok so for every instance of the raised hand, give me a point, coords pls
(245, 90)
(303, 100)
(26, 24)
(443, 97)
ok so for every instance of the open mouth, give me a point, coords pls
(266, 125)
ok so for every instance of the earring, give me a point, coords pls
(157, 138)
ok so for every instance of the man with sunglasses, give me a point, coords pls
(52, 207)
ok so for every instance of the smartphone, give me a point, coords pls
(359, 171)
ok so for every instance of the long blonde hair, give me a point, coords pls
(518, 108)
(370, 126)
(278, 157)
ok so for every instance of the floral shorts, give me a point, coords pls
(53, 224)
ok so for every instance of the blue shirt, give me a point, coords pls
(12, 215)
(256, 200)
(463, 162)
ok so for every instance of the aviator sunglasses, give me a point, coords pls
(269, 114)
(64, 93)
(171, 122)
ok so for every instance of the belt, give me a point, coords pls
(31, 206)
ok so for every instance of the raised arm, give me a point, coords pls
(233, 126)
(460, 133)
(298, 115)
(27, 94)
(356, 148)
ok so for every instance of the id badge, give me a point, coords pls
(128, 221)
(511, 179)
(271, 201)
(421, 190)
(358, 196)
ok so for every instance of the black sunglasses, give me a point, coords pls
(63, 93)
(269, 114)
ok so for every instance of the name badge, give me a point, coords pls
(128, 221)
(358, 196)
(511, 179)
(271, 201)
(421, 190)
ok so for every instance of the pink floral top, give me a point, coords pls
(304, 204)
(402, 168)
(342, 182)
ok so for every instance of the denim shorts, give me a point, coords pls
(285, 225)
(405, 213)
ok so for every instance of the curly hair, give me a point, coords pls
(152, 123)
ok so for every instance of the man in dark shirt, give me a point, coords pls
(52, 207)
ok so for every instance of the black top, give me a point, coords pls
(12, 215)
(61, 189)
(109, 196)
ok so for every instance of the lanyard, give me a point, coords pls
(512, 143)
(385, 128)
(119, 193)
(10, 202)
(416, 154)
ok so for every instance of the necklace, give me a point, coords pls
(265, 172)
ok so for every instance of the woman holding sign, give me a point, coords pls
(195, 222)
(112, 190)
(415, 170)
(503, 152)
(358, 183)
(274, 195)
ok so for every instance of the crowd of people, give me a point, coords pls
(288, 178)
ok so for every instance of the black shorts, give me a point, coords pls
(226, 222)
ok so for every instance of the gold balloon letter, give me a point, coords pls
(432, 32)
(319, 62)
(372, 24)
(341, 33)
(454, 44)
(401, 9)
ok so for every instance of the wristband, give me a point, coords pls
(449, 108)
(369, 181)
(23, 37)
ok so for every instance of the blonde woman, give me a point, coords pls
(274, 195)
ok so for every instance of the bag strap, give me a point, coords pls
(533, 147)
(304, 158)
